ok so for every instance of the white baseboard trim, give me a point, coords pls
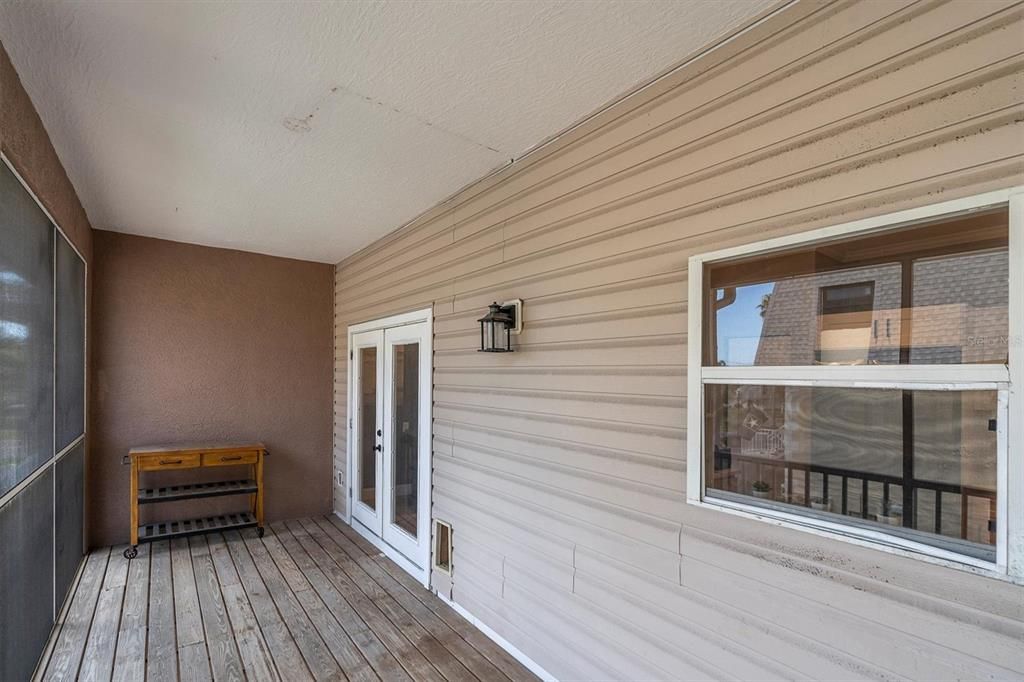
(515, 653)
(422, 575)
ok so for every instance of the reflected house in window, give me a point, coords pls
(846, 314)
(849, 317)
(922, 463)
(951, 306)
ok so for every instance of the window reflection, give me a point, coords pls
(961, 306)
(368, 440)
(937, 294)
(921, 463)
(406, 437)
(13, 330)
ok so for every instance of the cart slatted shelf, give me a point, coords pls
(176, 457)
(196, 490)
(152, 532)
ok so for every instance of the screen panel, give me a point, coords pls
(26, 577)
(26, 333)
(70, 339)
(68, 505)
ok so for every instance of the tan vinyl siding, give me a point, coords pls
(562, 466)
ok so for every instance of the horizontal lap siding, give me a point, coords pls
(562, 467)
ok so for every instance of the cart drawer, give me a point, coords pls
(220, 459)
(168, 461)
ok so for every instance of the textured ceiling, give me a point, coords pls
(311, 129)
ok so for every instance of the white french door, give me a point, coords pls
(390, 437)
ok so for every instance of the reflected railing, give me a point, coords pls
(833, 486)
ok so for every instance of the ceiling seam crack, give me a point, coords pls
(419, 119)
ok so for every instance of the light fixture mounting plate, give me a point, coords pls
(517, 304)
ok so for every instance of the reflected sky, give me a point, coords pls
(739, 324)
(13, 330)
(11, 278)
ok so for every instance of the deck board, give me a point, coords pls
(225, 662)
(499, 658)
(130, 655)
(98, 663)
(162, 647)
(430, 627)
(427, 645)
(311, 644)
(345, 652)
(310, 600)
(385, 665)
(252, 646)
(283, 649)
(66, 655)
(418, 667)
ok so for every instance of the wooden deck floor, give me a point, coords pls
(310, 600)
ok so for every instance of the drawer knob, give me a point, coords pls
(231, 459)
(170, 461)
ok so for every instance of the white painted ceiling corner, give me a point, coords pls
(311, 130)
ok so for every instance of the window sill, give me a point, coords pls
(862, 537)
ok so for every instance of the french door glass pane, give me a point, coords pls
(405, 440)
(368, 426)
(920, 463)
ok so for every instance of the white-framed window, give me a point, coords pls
(864, 382)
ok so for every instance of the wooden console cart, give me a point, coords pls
(175, 457)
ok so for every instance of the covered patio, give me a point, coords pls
(458, 340)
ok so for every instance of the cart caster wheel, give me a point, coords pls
(131, 553)
(259, 531)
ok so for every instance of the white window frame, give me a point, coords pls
(1007, 379)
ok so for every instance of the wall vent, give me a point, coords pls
(443, 546)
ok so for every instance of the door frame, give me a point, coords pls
(425, 315)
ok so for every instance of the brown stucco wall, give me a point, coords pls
(197, 343)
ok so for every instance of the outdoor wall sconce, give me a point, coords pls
(498, 326)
